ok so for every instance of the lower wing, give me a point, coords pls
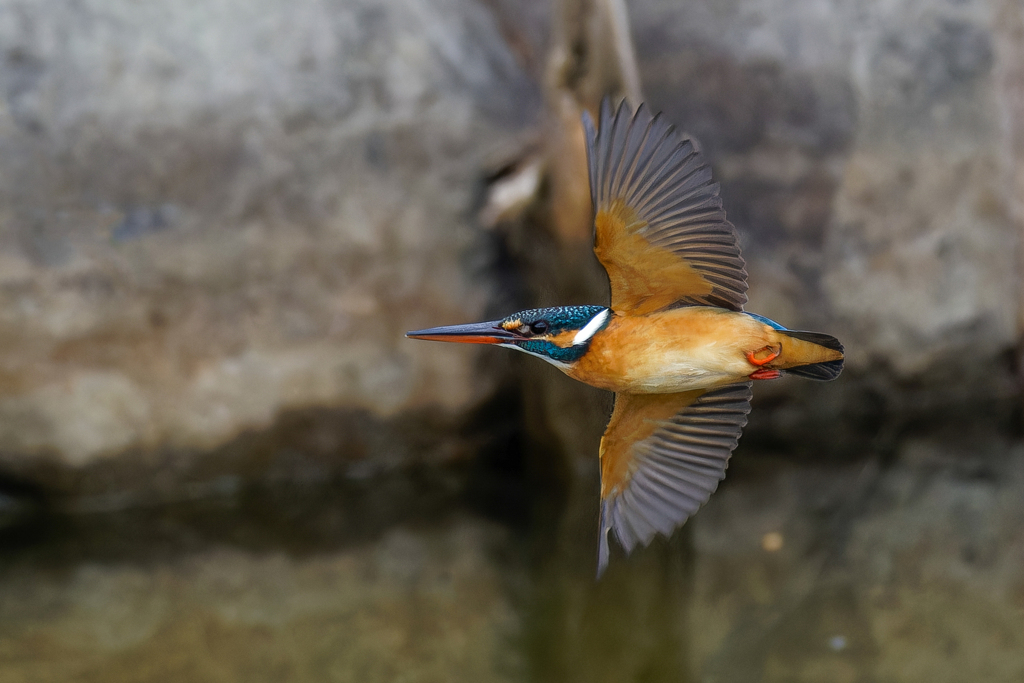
(662, 457)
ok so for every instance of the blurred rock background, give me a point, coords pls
(217, 213)
(217, 219)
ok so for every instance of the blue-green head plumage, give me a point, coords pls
(560, 335)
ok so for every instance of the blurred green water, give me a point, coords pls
(866, 570)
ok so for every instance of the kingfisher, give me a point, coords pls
(675, 344)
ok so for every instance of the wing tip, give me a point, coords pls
(667, 490)
(603, 552)
(588, 128)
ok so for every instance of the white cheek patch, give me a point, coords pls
(591, 328)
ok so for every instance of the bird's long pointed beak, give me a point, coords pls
(473, 333)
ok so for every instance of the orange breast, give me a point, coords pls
(687, 348)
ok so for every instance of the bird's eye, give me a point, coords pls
(539, 327)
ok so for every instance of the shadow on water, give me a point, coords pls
(297, 519)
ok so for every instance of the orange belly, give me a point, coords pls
(687, 348)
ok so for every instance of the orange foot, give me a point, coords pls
(764, 373)
(764, 355)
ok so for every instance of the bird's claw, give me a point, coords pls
(764, 373)
(764, 355)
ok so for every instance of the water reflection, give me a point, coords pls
(903, 570)
(340, 582)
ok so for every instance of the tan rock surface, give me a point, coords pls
(215, 212)
(863, 156)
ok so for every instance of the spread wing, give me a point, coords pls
(659, 228)
(662, 457)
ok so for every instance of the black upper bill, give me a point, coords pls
(474, 333)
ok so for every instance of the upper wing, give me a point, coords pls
(662, 457)
(660, 230)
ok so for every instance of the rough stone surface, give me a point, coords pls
(215, 211)
(863, 156)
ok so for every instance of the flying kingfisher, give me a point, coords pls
(675, 345)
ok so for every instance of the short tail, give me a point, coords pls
(813, 355)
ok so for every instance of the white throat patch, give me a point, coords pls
(591, 328)
(558, 364)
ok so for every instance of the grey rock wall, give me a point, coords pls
(863, 154)
(213, 212)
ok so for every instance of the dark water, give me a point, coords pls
(909, 568)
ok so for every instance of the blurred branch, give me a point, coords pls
(591, 55)
(592, 52)
(1009, 39)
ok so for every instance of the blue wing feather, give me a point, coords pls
(767, 321)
